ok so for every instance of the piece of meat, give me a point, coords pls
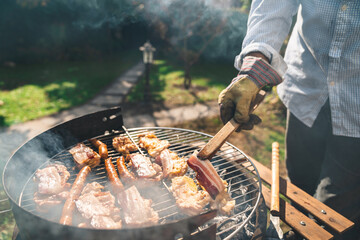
(223, 203)
(137, 211)
(102, 148)
(52, 179)
(45, 202)
(127, 176)
(92, 187)
(172, 164)
(78, 185)
(206, 175)
(152, 144)
(123, 145)
(188, 197)
(116, 184)
(105, 222)
(141, 165)
(84, 156)
(98, 207)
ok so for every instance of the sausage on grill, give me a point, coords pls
(78, 185)
(103, 151)
(124, 172)
(113, 176)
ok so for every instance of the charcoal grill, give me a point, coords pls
(53, 145)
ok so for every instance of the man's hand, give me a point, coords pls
(236, 99)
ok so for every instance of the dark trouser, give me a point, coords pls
(324, 165)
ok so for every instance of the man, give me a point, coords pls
(321, 89)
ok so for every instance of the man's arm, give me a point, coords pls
(268, 25)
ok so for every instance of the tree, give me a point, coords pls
(188, 26)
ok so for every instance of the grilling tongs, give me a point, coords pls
(209, 150)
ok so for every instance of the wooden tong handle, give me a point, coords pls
(275, 207)
(209, 150)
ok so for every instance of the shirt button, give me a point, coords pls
(332, 83)
(344, 7)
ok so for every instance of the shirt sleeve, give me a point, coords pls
(268, 25)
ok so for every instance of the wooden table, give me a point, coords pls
(335, 223)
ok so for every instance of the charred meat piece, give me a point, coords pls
(125, 174)
(152, 144)
(137, 211)
(84, 156)
(172, 164)
(52, 179)
(123, 145)
(206, 175)
(52, 185)
(98, 207)
(142, 165)
(188, 197)
(102, 148)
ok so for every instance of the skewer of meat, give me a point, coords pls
(124, 172)
(116, 184)
(103, 151)
(67, 212)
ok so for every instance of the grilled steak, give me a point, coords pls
(52, 179)
(172, 164)
(84, 156)
(123, 145)
(188, 197)
(152, 144)
(141, 165)
(137, 211)
(98, 207)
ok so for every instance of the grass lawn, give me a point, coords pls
(166, 83)
(31, 91)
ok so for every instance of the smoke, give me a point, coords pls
(213, 25)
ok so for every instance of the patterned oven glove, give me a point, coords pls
(235, 100)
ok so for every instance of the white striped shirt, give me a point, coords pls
(322, 56)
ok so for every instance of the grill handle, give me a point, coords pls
(215, 143)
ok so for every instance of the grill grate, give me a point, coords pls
(231, 164)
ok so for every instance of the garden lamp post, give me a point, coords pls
(148, 53)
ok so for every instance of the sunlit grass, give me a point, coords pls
(32, 91)
(167, 83)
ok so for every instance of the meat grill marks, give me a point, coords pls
(171, 163)
(98, 208)
(137, 211)
(152, 144)
(84, 156)
(52, 187)
(127, 176)
(188, 197)
(143, 167)
(123, 145)
(206, 175)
